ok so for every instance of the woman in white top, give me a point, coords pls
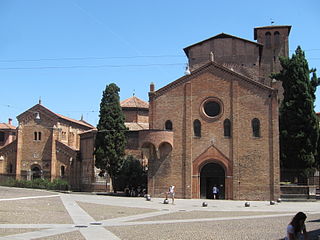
(296, 227)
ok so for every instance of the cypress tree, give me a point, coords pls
(314, 83)
(299, 127)
(110, 140)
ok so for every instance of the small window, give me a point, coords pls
(255, 127)
(37, 136)
(1, 136)
(168, 125)
(10, 168)
(197, 128)
(227, 128)
(268, 40)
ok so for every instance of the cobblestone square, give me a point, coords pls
(39, 214)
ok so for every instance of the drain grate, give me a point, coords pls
(81, 226)
(96, 223)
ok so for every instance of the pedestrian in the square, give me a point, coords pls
(215, 191)
(171, 193)
(296, 229)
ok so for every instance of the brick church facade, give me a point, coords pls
(218, 125)
(215, 126)
(45, 145)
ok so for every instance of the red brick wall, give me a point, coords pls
(242, 101)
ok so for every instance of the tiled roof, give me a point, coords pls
(133, 126)
(37, 106)
(134, 102)
(81, 122)
(7, 126)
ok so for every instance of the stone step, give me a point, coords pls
(295, 195)
(298, 200)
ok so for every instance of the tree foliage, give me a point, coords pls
(131, 174)
(110, 139)
(299, 126)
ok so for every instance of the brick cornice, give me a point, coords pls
(209, 67)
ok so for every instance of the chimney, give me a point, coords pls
(152, 87)
(10, 121)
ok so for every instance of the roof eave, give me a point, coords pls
(269, 27)
(186, 49)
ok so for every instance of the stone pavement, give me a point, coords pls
(39, 214)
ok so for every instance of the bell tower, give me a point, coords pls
(275, 45)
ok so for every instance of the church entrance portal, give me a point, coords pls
(36, 172)
(212, 174)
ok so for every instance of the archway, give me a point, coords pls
(36, 172)
(212, 174)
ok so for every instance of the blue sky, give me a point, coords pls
(66, 51)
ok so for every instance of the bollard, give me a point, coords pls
(272, 202)
(166, 201)
(204, 204)
(247, 204)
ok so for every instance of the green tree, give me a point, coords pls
(110, 140)
(299, 126)
(315, 82)
(132, 174)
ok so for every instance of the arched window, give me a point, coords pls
(268, 40)
(276, 39)
(10, 168)
(255, 123)
(62, 171)
(39, 136)
(168, 125)
(227, 128)
(197, 128)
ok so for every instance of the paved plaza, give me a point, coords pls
(39, 214)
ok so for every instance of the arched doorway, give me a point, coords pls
(36, 172)
(212, 174)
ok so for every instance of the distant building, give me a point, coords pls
(136, 112)
(46, 145)
(7, 136)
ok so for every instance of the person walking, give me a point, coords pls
(297, 228)
(215, 191)
(171, 193)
